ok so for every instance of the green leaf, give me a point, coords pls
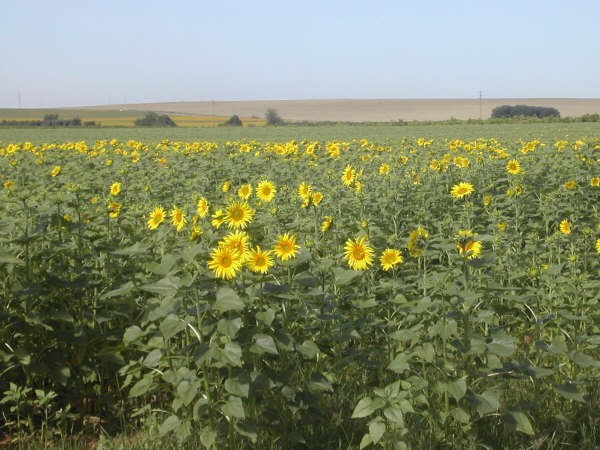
(367, 406)
(153, 358)
(319, 383)
(400, 363)
(247, 429)
(229, 327)
(165, 266)
(7, 258)
(187, 391)
(394, 414)
(169, 424)
(165, 286)
(345, 277)
(240, 387)
(460, 415)
(171, 325)
(233, 407)
(487, 403)
(266, 316)
(264, 343)
(583, 360)
(142, 386)
(457, 388)
(228, 300)
(521, 422)
(136, 249)
(569, 391)
(308, 349)
(376, 429)
(208, 437)
(120, 291)
(366, 441)
(502, 344)
(232, 354)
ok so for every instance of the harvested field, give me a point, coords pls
(363, 110)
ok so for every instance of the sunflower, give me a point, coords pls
(266, 190)
(462, 189)
(202, 207)
(285, 247)
(114, 209)
(115, 189)
(470, 250)
(56, 171)
(245, 191)
(598, 245)
(238, 215)
(570, 185)
(384, 169)
(196, 233)
(487, 200)
(9, 184)
(390, 258)
(226, 186)
(326, 224)
(305, 191)
(595, 182)
(178, 218)
(238, 241)
(260, 261)
(358, 253)
(225, 263)
(218, 218)
(317, 198)
(416, 241)
(566, 227)
(513, 167)
(348, 175)
(157, 216)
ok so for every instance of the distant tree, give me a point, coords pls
(152, 119)
(233, 121)
(507, 111)
(273, 117)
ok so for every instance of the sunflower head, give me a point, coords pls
(390, 258)
(266, 190)
(286, 247)
(358, 253)
(238, 215)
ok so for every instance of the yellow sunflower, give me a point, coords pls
(358, 253)
(513, 167)
(266, 190)
(225, 263)
(238, 215)
(570, 185)
(348, 175)
(566, 227)
(317, 198)
(218, 218)
(178, 218)
(384, 169)
(226, 186)
(115, 189)
(202, 207)
(595, 182)
(470, 249)
(238, 241)
(245, 191)
(416, 241)
(462, 189)
(326, 224)
(598, 245)
(390, 258)
(260, 261)
(157, 216)
(56, 171)
(114, 210)
(286, 247)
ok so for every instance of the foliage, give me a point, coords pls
(484, 334)
(152, 119)
(506, 111)
(50, 120)
(233, 121)
(272, 117)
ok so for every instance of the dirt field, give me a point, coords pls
(362, 110)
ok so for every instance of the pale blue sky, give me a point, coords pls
(67, 53)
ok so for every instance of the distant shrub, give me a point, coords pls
(507, 111)
(152, 119)
(273, 117)
(233, 121)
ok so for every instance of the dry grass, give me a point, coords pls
(361, 110)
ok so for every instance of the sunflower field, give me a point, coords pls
(433, 293)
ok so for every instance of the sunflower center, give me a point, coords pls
(358, 253)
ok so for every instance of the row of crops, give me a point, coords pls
(313, 294)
